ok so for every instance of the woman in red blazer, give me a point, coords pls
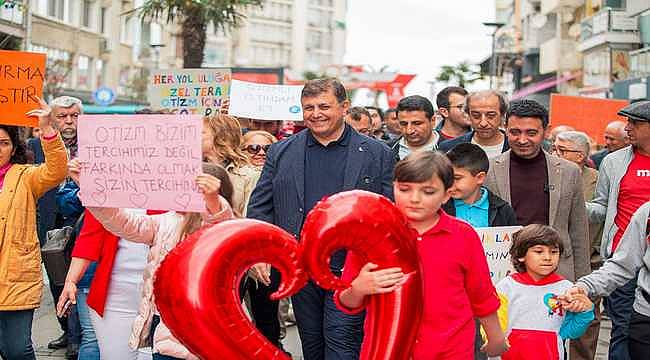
(114, 294)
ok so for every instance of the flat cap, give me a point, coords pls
(639, 111)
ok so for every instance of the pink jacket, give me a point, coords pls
(162, 233)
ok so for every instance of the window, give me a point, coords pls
(127, 30)
(83, 72)
(87, 13)
(56, 8)
(100, 74)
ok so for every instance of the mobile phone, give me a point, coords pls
(66, 308)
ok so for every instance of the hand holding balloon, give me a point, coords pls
(371, 281)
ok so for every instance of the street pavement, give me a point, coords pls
(46, 328)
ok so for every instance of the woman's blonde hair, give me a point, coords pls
(192, 221)
(227, 139)
(249, 135)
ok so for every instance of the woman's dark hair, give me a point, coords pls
(421, 166)
(529, 236)
(19, 155)
(193, 220)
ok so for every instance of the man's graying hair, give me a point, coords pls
(66, 102)
(580, 139)
(503, 101)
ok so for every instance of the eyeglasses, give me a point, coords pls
(255, 148)
(562, 151)
(459, 107)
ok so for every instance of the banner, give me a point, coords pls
(265, 102)
(21, 82)
(589, 115)
(141, 161)
(496, 243)
(189, 91)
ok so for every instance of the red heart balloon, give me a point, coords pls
(197, 287)
(374, 229)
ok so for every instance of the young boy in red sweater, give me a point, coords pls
(457, 285)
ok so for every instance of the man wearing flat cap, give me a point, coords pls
(623, 186)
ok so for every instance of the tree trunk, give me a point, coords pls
(193, 30)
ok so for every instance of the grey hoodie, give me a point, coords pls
(603, 207)
(632, 254)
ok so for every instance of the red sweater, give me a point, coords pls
(95, 243)
(457, 288)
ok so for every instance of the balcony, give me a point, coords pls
(558, 55)
(549, 6)
(608, 26)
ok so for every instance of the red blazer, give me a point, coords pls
(95, 243)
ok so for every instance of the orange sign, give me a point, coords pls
(590, 115)
(21, 82)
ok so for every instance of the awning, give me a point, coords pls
(544, 84)
(113, 109)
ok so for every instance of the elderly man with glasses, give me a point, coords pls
(575, 146)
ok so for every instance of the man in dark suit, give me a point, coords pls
(327, 158)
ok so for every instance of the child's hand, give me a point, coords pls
(370, 282)
(208, 185)
(495, 348)
(579, 303)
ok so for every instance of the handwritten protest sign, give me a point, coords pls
(141, 161)
(496, 243)
(265, 102)
(21, 82)
(189, 91)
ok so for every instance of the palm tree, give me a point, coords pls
(463, 73)
(194, 17)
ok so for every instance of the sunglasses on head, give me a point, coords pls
(255, 148)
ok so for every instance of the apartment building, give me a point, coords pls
(300, 35)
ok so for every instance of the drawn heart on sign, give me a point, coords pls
(183, 200)
(139, 200)
(197, 285)
(99, 198)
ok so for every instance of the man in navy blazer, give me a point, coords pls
(326, 158)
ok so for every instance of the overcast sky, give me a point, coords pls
(418, 36)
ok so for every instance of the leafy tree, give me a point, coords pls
(463, 74)
(194, 17)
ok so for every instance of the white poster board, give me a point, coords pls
(496, 243)
(265, 102)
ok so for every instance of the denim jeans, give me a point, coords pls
(639, 336)
(325, 331)
(88, 348)
(619, 308)
(16, 335)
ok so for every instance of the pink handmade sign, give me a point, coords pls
(141, 161)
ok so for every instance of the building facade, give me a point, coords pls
(573, 47)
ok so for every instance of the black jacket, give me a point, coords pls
(500, 213)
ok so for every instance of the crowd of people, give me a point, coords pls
(476, 161)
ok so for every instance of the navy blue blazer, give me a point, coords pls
(279, 197)
(467, 138)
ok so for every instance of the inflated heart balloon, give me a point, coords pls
(373, 228)
(197, 287)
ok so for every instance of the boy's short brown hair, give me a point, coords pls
(529, 236)
(421, 166)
